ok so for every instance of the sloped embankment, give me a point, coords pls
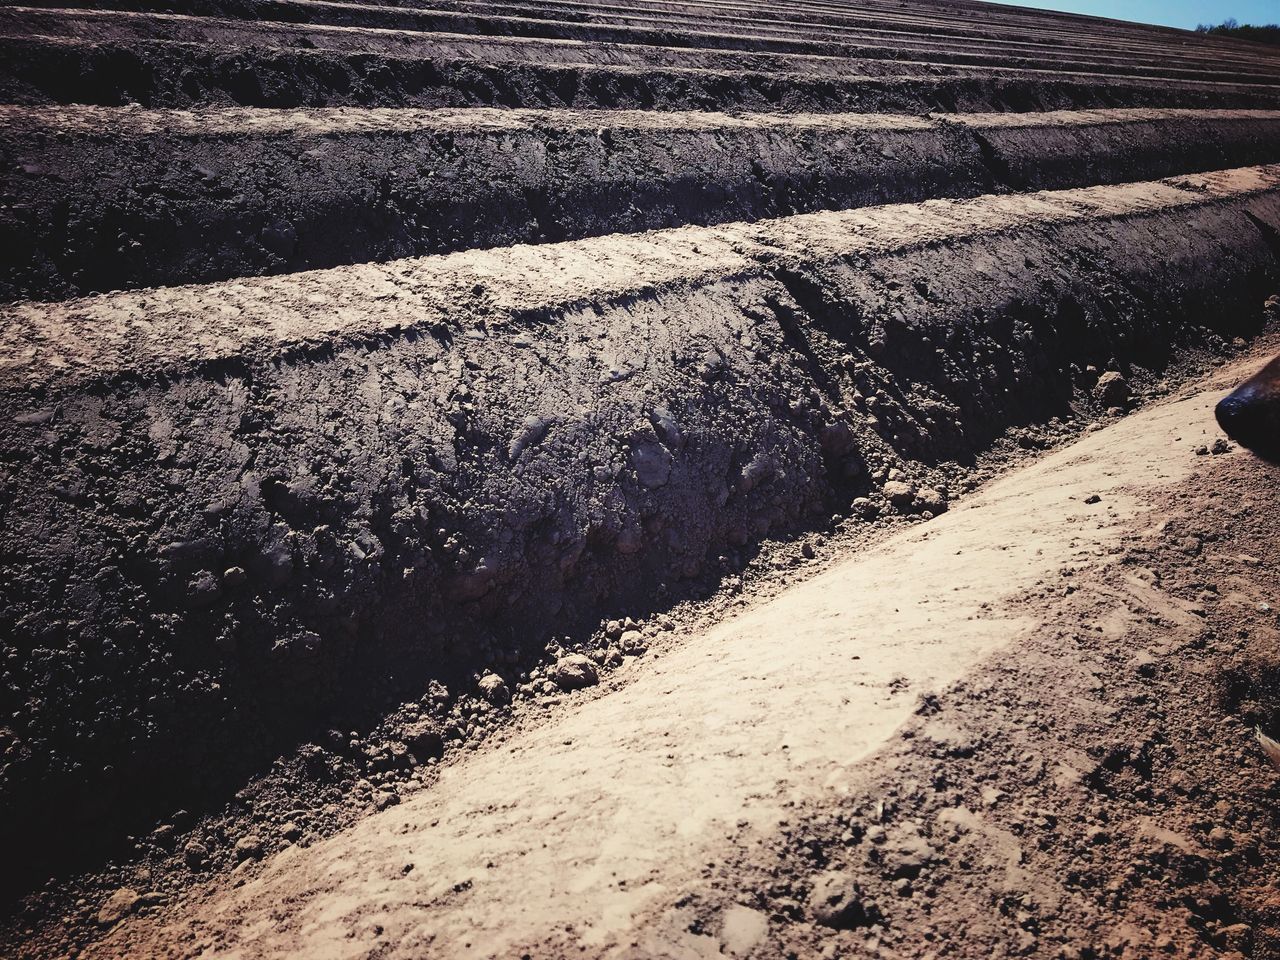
(473, 405)
(171, 197)
(225, 515)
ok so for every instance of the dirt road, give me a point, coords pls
(584, 827)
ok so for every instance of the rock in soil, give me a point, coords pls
(574, 672)
(837, 901)
(118, 906)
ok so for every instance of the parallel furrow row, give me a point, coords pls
(265, 14)
(170, 74)
(165, 199)
(350, 346)
(235, 507)
(912, 31)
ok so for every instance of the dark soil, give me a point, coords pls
(151, 207)
(203, 570)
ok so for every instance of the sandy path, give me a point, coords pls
(581, 823)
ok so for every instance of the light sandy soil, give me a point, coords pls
(583, 826)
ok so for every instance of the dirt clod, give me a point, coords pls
(899, 493)
(494, 689)
(196, 854)
(118, 906)
(574, 672)
(424, 740)
(248, 848)
(837, 901)
(1112, 390)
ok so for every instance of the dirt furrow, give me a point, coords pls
(400, 42)
(535, 50)
(588, 831)
(166, 74)
(103, 199)
(113, 24)
(234, 511)
(989, 30)
(1083, 47)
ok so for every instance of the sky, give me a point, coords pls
(1170, 13)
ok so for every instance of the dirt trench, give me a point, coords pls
(852, 730)
(408, 493)
(164, 201)
(351, 353)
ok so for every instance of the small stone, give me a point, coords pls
(249, 847)
(807, 551)
(574, 672)
(1111, 390)
(291, 832)
(1093, 498)
(633, 642)
(899, 493)
(234, 577)
(1220, 446)
(494, 689)
(118, 906)
(195, 853)
(837, 901)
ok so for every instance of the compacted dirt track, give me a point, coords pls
(366, 367)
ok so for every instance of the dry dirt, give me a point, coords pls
(434, 429)
(1022, 726)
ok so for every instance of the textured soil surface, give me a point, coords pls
(1046, 751)
(385, 387)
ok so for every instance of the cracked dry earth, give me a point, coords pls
(1020, 729)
